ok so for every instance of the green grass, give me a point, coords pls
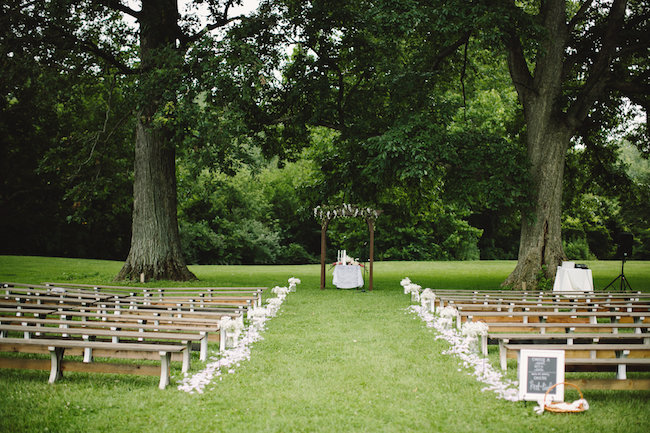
(332, 361)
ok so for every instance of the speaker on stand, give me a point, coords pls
(625, 242)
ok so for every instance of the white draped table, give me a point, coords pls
(573, 280)
(347, 276)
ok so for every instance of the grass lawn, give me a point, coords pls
(332, 361)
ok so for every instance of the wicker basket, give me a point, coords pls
(556, 406)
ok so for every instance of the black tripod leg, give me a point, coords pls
(613, 281)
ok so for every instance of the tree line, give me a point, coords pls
(482, 129)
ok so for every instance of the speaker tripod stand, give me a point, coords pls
(624, 282)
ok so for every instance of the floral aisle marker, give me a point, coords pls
(428, 300)
(463, 346)
(233, 349)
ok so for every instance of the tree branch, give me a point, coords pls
(579, 15)
(117, 5)
(630, 89)
(599, 71)
(92, 48)
(521, 76)
(450, 49)
(221, 22)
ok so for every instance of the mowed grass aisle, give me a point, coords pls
(332, 361)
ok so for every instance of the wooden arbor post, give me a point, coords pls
(371, 252)
(346, 210)
(323, 250)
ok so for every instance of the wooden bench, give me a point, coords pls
(46, 300)
(621, 361)
(206, 292)
(89, 334)
(57, 347)
(204, 333)
(544, 316)
(544, 327)
(216, 305)
(178, 304)
(496, 297)
(569, 338)
(152, 313)
(576, 307)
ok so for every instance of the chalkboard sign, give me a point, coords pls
(538, 371)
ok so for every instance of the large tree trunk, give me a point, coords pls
(540, 244)
(548, 136)
(155, 242)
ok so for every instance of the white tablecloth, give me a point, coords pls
(573, 280)
(347, 276)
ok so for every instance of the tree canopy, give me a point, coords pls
(466, 122)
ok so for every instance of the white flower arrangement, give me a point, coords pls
(428, 299)
(281, 292)
(404, 283)
(229, 324)
(414, 290)
(326, 213)
(448, 311)
(258, 313)
(447, 316)
(273, 305)
(475, 329)
(230, 330)
(293, 282)
(472, 331)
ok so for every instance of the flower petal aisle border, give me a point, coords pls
(464, 346)
(230, 358)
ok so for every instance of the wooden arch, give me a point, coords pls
(327, 213)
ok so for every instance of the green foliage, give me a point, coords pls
(253, 217)
(577, 250)
(65, 157)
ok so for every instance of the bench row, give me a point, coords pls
(107, 327)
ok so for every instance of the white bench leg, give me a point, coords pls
(203, 354)
(484, 344)
(56, 356)
(187, 356)
(621, 373)
(503, 356)
(165, 361)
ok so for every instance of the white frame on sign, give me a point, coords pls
(524, 356)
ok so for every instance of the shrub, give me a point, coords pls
(578, 250)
